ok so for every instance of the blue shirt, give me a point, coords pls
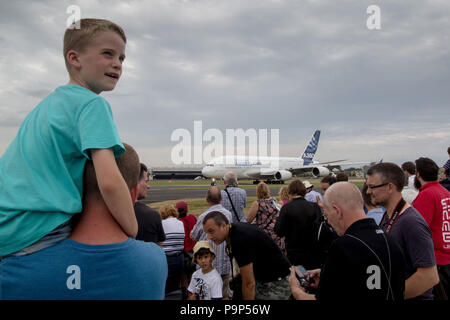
(376, 214)
(72, 270)
(239, 198)
(41, 172)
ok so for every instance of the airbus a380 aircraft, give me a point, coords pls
(271, 168)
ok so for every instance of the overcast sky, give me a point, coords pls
(291, 65)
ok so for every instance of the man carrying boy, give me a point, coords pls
(98, 261)
(206, 282)
(70, 126)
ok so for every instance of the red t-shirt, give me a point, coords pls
(189, 222)
(433, 203)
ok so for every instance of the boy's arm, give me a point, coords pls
(114, 190)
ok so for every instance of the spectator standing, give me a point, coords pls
(284, 196)
(298, 224)
(372, 211)
(206, 283)
(221, 263)
(446, 166)
(326, 182)
(98, 261)
(433, 203)
(189, 222)
(173, 246)
(149, 221)
(405, 224)
(263, 268)
(409, 168)
(311, 195)
(234, 199)
(265, 211)
(363, 263)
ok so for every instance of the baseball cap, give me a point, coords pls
(307, 184)
(203, 244)
(182, 205)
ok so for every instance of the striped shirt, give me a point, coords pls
(174, 230)
(239, 198)
(222, 262)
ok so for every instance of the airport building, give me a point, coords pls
(178, 173)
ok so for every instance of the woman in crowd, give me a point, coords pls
(173, 246)
(265, 209)
(284, 196)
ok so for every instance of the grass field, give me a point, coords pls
(198, 205)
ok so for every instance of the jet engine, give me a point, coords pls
(283, 175)
(320, 172)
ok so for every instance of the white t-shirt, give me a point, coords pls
(208, 286)
(174, 230)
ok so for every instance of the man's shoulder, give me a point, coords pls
(142, 207)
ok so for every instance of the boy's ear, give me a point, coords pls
(73, 59)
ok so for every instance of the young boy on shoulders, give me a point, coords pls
(206, 282)
(41, 172)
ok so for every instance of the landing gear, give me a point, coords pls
(270, 181)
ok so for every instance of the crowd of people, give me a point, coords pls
(82, 233)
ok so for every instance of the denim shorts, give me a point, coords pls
(58, 234)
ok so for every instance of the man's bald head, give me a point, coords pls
(343, 205)
(214, 196)
(344, 194)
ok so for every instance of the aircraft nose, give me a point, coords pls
(205, 171)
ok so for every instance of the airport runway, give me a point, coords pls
(165, 193)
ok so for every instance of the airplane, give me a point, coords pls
(271, 169)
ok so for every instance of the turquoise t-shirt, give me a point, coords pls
(41, 172)
(71, 270)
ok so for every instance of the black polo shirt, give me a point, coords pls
(150, 227)
(249, 244)
(356, 260)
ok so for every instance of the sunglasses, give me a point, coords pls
(378, 186)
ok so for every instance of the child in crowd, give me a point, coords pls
(41, 172)
(206, 282)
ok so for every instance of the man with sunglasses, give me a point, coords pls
(405, 224)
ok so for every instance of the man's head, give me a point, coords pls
(409, 168)
(384, 181)
(216, 227)
(143, 182)
(326, 182)
(213, 196)
(296, 188)
(128, 164)
(230, 180)
(94, 54)
(426, 171)
(341, 176)
(343, 204)
(448, 151)
(204, 254)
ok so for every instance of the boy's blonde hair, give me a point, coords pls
(79, 39)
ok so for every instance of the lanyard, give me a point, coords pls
(395, 215)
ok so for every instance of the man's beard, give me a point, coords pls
(417, 183)
(141, 196)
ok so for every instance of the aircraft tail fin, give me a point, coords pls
(311, 149)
